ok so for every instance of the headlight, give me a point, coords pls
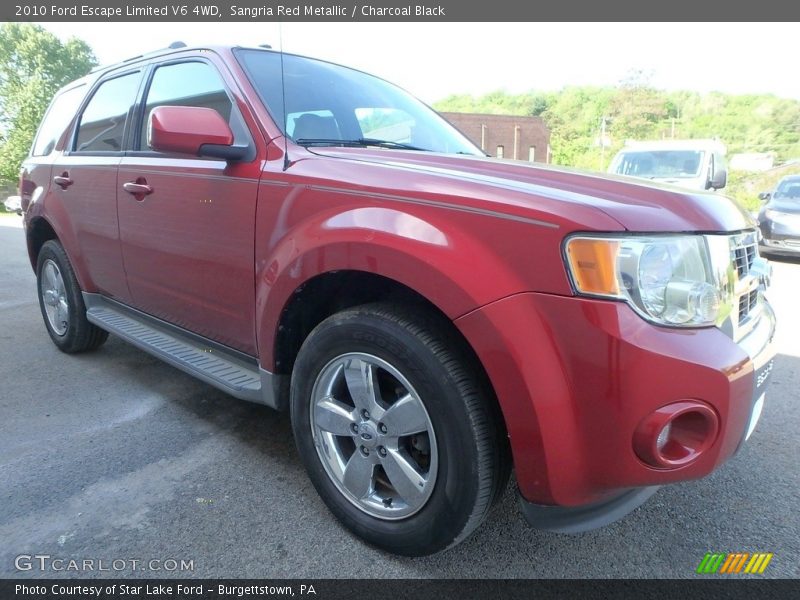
(666, 279)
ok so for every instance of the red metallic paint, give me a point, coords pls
(185, 129)
(188, 246)
(86, 221)
(576, 377)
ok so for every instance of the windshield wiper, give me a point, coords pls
(390, 144)
(357, 142)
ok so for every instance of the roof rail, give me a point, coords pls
(176, 45)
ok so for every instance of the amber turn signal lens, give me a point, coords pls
(593, 265)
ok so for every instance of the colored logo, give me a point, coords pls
(735, 562)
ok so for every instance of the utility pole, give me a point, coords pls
(602, 142)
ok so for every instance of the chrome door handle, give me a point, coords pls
(63, 180)
(137, 189)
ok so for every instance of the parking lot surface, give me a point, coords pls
(115, 455)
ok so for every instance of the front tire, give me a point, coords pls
(61, 302)
(395, 428)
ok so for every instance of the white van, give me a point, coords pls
(692, 164)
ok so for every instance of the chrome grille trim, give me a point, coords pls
(744, 251)
(743, 256)
(734, 261)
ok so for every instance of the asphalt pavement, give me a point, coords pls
(116, 456)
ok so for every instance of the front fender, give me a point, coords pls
(453, 273)
(456, 260)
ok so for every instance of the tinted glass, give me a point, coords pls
(789, 189)
(56, 120)
(190, 84)
(327, 101)
(103, 120)
(660, 163)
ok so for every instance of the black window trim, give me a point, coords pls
(70, 150)
(140, 106)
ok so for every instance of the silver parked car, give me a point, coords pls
(779, 218)
(13, 204)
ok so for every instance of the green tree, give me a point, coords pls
(637, 108)
(34, 64)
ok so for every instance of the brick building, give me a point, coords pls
(504, 136)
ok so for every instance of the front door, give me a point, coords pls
(187, 225)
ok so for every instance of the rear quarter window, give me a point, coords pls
(57, 118)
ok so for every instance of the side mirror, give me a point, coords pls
(765, 196)
(720, 179)
(192, 130)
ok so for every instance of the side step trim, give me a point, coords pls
(225, 369)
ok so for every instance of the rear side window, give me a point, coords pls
(56, 120)
(102, 123)
(190, 84)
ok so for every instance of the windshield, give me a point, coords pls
(659, 164)
(788, 189)
(329, 105)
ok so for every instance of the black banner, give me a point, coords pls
(396, 10)
(399, 589)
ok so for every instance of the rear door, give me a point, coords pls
(83, 194)
(188, 244)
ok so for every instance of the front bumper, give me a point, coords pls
(576, 376)
(785, 246)
(780, 238)
(577, 519)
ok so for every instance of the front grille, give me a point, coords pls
(747, 302)
(743, 256)
(744, 251)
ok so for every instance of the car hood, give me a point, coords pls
(689, 182)
(513, 186)
(785, 206)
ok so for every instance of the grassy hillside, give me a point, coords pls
(635, 110)
(745, 187)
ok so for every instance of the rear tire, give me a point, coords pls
(429, 419)
(61, 302)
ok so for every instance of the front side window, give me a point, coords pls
(190, 84)
(328, 104)
(56, 120)
(102, 123)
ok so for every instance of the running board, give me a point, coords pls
(226, 369)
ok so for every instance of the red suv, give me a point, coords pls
(310, 237)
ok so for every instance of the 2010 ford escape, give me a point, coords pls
(313, 238)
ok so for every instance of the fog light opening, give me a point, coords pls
(676, 435)
(663, 437)
(688, 433)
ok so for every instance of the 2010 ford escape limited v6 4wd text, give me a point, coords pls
(313, 238)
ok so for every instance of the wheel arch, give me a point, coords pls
(38, 232)
(328, 293)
